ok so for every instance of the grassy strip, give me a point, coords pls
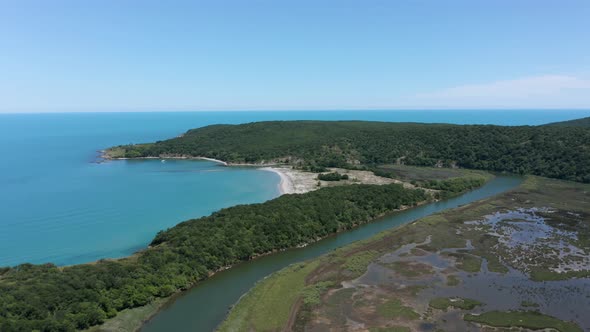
(267, 306)
(395, 309)
(129, 319)
(453, 280)
(443, 303)
(390, 329)
(527, 319)
(466, 262)
(545, 275)
(358, 263)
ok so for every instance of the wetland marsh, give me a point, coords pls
(517, 260)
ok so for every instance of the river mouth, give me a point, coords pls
(205, 306)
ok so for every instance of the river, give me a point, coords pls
(203, 307)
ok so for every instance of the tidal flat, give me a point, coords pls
(518, 260)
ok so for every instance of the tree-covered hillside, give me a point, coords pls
(551, 151)
(50, 298)
(584, 122)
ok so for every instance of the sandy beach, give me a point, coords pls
(295, 181)
(286, 183)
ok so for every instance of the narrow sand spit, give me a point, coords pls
(214, 160)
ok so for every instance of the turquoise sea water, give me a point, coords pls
(58, 205)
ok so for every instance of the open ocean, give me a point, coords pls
(58, 205)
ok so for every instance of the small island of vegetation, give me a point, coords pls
(334, 176)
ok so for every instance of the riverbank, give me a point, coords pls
(444, 261)
(401, 198)
(291, 180)
(192, 308)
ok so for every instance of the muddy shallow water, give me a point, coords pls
(518, 230)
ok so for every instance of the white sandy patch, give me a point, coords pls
(295, 181)
(286, 184)
(214, 160)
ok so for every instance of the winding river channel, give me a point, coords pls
(204, 307)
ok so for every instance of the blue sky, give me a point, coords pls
(208, 55)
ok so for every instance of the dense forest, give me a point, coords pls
(583, 122)
(50, 298)
(551, 151)
(446, 188)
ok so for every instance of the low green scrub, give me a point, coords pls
(410, 269)
(467, 262)
(358, 262)
(452, 187)
(533, 320)
(443, 303)
(129, 319)
(334, 176)
(453, 280)
(267, 306)
(390, 329)
(315, 169)
(395, 309)
(540, 274)
(312, 293)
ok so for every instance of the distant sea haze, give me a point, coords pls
(58, 205)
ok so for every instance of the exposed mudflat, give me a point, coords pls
(522, 254)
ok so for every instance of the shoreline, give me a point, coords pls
(292, 181)
(104, 156)
(286, 185)
(288, 181)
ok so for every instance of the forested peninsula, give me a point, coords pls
(583, 122)
(50, 298)
(558, 151)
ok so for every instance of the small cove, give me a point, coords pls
(59, 206)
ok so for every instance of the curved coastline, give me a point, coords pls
(287, 180)
(286, 185)
(103, 154)
(291, 181)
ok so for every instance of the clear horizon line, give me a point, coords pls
(409, 109)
